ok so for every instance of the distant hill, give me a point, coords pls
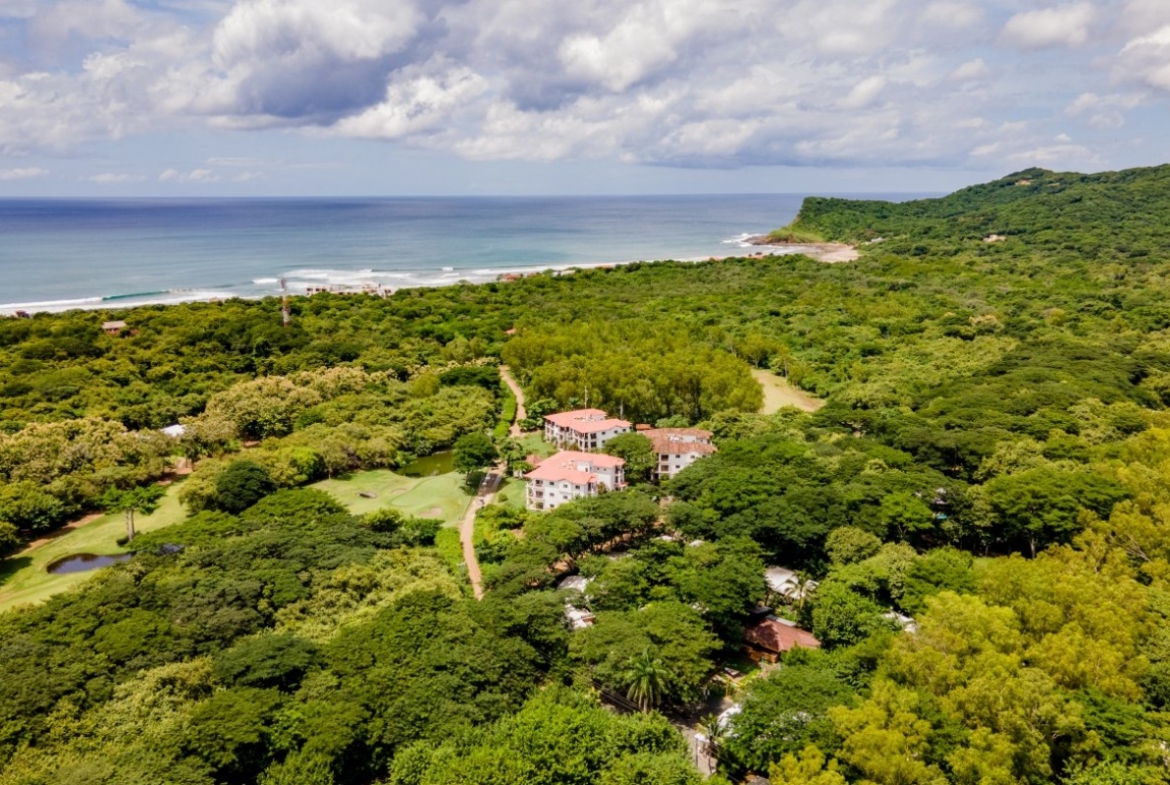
(1111, 215)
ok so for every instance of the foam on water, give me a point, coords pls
(106, 254)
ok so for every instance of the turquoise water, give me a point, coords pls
(59, 254)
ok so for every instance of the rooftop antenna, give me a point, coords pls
(285, 316)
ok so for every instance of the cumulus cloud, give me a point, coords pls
(24, 173)
(113, 178)
(1147, 59)
(1103, 112)
(1048, 27)
(703, 83)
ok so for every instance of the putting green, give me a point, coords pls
(441, 496)
(23, 578)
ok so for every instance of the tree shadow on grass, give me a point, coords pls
(9, 567)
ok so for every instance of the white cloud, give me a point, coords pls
(193, 176)
(719, 83)
(863, 93)
(114, 178)
(971, 70)
(1103, 112)
(24, 173)
(1146, 59)
(1066, 25)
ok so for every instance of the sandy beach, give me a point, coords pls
(830, 253)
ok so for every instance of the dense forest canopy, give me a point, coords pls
(992, 461)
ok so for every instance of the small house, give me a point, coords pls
(113, 328)
(769, 638)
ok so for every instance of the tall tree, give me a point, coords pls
(144, 499)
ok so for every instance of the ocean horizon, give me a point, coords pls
(61, 254)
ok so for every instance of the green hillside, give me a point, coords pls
(1108, 216)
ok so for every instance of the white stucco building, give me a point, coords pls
(572, 475)
(582, 429)
(677, 448)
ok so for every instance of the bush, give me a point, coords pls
(240, 485)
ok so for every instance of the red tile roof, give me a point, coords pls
(669, 441)
(774, 635)
(565, 419)
(597, 426)
(566, 466)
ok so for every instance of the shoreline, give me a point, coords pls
(829, 253)
(309, 282)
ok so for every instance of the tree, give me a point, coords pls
(850, 544)
(9, 538)
(144, 499)
(474, 451)
(841, 617)
(646, 679)
(904, 514)
(638, 453)
(240, 485)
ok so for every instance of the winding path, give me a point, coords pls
(486, 493)
(521, 412)
(484, 496)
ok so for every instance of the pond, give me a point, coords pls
(84, 562)
(442, 462)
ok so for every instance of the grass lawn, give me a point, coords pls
(534, 443)
(511, 493)
(23, 579)
(440, 497)
(778, 393)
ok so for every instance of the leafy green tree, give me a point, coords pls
(849, 544)
(240, 485)
(904, 514)
(638, 453)
(474, 451)
(786, 712)
(144, 499)
(841, 617)
(9, 538)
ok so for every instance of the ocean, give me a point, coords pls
(58, 254)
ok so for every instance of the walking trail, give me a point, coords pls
(483, 497)
(521, 413)
(486, 494)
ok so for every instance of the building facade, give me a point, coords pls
(584, 430)
(572, 475)
(677, 448)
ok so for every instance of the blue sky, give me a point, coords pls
(356, 97)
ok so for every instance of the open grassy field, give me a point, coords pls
(23, 578)
(534, 444)
(440, 497)
(778, 393)
(511, 493)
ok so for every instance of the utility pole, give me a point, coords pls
(285, 316)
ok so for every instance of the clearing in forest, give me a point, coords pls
(778, 393)
(23, 578)
(441, 496)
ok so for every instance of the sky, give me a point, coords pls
(193, 98)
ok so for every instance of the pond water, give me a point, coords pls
(84, 562)
(442, 462)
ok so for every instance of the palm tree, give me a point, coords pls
(714, 731)
(646, 679)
